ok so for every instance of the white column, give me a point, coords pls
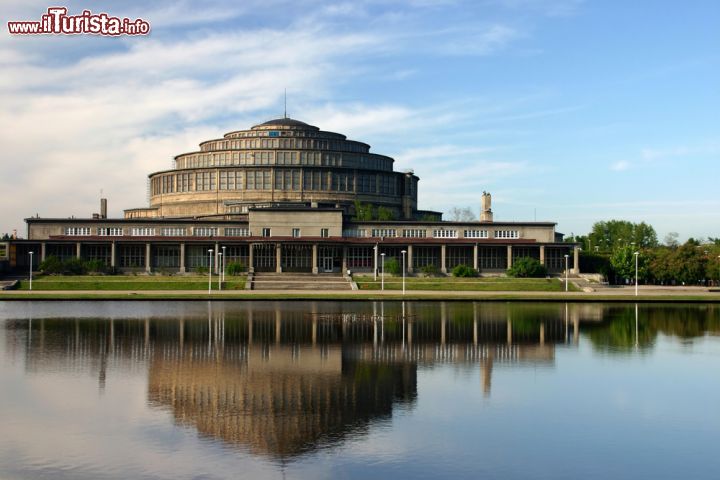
(509, 256)
(542, 254)
(182, 257)
(147, 257)
(278, 258)
(42, 252)
(409, 259)
(443, 268)
(78, 248)
(576, 261)
(315, 258)
(113, 254)
(475, 257)
(251, 260)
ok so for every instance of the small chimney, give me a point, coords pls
(103, 208)
(486, 214)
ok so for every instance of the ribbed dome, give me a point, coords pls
(286, 122)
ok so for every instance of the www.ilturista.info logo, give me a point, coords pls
(57, 22)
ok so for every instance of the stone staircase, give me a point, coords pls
(299, 281)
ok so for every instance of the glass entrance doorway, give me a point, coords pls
(328, 259)
(326, 264)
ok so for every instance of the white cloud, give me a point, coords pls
(620, 166)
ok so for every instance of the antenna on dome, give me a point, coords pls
(285, 104)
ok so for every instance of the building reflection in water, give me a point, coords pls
(281, 379)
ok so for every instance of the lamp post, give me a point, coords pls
(219, 273)
(403, 268)
(382, 273)
(375, 249)
(209, 270)
(567, 257)
(637, 254)
(223, 264)
(31, 255)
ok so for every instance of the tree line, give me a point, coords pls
(610, 249)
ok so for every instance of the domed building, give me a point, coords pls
(282, 162)
(285, 196)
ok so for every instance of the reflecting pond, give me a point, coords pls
(94, 390)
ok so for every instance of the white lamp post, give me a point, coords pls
(375, 249)
(223, 264)
(403, 268)
(566, 272)
(220, 273)
(382, 273)
(210, 258)
(637, 254)
(31, 255)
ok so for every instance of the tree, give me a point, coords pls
(384, 213)
(671, 239)
(623, 263)
(363, 211)
(464, 214)
(527, 267)
(688, 264)
(612, 234)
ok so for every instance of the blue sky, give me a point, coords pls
(565, 110)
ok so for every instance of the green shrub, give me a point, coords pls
(430, 270)
(235, 268)
(201, 270)
(527, 267)
(392, 266)
(74, 266)
(95, 266)
(51, 265)
(464, 271)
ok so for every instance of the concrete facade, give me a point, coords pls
(283, 196)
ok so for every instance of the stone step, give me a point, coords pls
(299, 281)
(333, 287)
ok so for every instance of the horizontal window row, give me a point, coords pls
(275, 142)
(282, 179)
(152, 231)
(312, 158)
(245, 232)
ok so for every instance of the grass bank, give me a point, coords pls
(481, 284)
(126, 282)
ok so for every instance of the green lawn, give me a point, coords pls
(482, 284)
(127, 282)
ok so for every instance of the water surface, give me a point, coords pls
(358, 390)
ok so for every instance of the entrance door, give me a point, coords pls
(326, 263)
